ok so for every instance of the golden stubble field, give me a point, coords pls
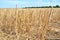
(29, 24)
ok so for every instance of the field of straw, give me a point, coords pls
(29, 24)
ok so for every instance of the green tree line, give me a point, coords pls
(57, 6)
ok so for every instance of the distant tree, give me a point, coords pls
(49, 6)
(57, 5)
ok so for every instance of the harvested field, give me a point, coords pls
(29, 24)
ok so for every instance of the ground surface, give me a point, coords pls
(28, 24)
